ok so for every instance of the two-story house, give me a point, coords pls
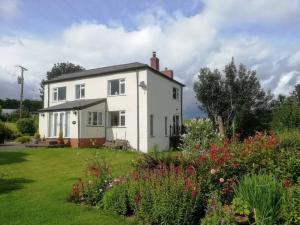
(134, 102)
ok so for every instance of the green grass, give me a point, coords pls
(35, 183)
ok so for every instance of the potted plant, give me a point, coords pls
(61, 138)
(37, 138)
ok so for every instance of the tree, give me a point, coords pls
(57, 70)
(233, 99)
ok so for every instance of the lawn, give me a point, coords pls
(34, 185)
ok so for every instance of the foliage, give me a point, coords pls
(13, 131)
(241, 210)
(26, 126)
(218, 214)
(165, 195)
(5, 133)
(199, 134)
(289, 139)
(291, 206)
(57, 70)
(264, 194)
(23, 139)
(231, 98)
(97, 181)
(286, 116)
(37, 136)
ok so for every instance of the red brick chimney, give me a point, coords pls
(154, 61)
(168, 73)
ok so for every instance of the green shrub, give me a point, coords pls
(116, 200)
(264, 194)
(5, 133)
(23, 139)
(289, 138)
(218, 214)
(26, 126)
(199, 135)
(290, 210)
(287, 116)
(91, 191)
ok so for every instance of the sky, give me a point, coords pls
(187, 35)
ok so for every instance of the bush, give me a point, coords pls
(23, 139)
(116, 200)
(168, 195)
(199, 135)
(218, 214)
(26, 126)
(289, 138)
(264, 194)
(91, 191)
(287, 116)
(290, 210)
(5, 133)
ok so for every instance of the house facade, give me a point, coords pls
(134, 102)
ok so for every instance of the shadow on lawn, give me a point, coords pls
(12, 157)
(12, 184)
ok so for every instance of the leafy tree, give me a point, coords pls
(234, 99)
(286, 114)
(57, 70)
(26, 126)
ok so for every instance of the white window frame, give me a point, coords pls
(122, 114)
(121, 83)
(81, 88)
(55, 126)
(91, 119)
(55, 93)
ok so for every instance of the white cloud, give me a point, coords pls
(9, 8)
(183, 43)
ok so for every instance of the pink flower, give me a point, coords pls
(221, 180)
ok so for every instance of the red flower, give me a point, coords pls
(194, 193)
(286, 183)
(201, 158)
(190, 170)
(188, 185)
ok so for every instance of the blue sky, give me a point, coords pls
(187, 35)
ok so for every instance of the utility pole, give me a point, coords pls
(21, 81)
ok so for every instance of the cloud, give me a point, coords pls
(9, 9)
(184, 44)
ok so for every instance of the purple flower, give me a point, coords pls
(222, 222)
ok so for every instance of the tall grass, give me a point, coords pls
(264, 195)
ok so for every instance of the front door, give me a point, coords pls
(59, 122)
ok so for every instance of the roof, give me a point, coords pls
(108, 70)
(74, 105)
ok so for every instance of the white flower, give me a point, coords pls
(213, 171)
(222, 180)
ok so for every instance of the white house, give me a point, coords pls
(134, 102)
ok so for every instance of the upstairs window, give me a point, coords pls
(116, 87)
(59, 94)
(94, 119)
(79, 91)
(117, 118)
(175, 93)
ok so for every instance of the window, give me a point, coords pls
(94, 118)
(151, 125)
(59, 122)
(59, 94)
(166, 126)
(117, 118)
(79, 91)
(175, 93)
(116, 87)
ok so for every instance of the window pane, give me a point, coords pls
(89, 118)
(174, 93)
(114, 87)
(122, 86)
(62, 93)
(82, 91)
(95, 118)
(151, 125)
(55, 124)
(50, 133)
(61, 122)
(114, 118)
(77, 87)
(55, 94)
(67, 125)
(122, 119)
(100, 118)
